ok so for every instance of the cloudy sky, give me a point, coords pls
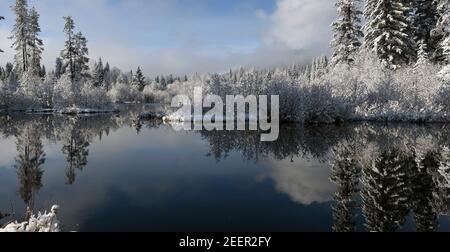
(184, 36)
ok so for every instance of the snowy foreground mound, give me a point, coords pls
(46, 222)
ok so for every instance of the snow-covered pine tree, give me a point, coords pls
(388, 31)
(68, 53)
(347, 32)
(81, 58)
(424, 21)
(20, 36)
(58, 68)
(163, 83)
(422, 55)
(42, 72)
(440, 31)
(138, 81)
(98, 73)
(35, 43)
(107, 76)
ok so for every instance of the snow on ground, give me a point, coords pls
(46, 222)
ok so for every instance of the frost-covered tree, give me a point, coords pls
(441, 31)
(35, 43)
(74, 54)
(422, 55)
(20, 36)
(424, 21)
(108, 76)
(319, 67)
(347, 32)
(58, 68)
(98, 74)
(138, 81)
(81, 58)
(388, 31)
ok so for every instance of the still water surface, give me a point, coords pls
(118, 173)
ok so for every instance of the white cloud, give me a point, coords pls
(303, 25)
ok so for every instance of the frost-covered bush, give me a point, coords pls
(93, 97)
(321, 106)
(63, 94)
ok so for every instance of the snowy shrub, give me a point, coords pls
(320, 106)
(93, 97)
(64, 94)
(121, 93)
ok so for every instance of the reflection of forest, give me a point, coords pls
(75, 134)
(385, 172)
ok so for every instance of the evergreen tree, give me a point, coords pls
(42, 72)
(347, 32)
(388, 31)
(422, 55)
(138, 81)
(35, 43)
(68, 53)
(58, 68)
(424, 21)
(20, 36)
(81, 59)
(441, 31)
(107, 76)
(98, 74)
(163, 83)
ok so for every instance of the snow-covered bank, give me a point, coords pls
(76, 111)
(64, 111)
(180, 117)
(42, 222)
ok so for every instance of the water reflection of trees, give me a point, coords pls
(28, 164)
(76, 133)
(386, 172)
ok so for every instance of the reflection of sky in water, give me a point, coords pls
(162, 180)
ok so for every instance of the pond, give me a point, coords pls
(118, 173)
